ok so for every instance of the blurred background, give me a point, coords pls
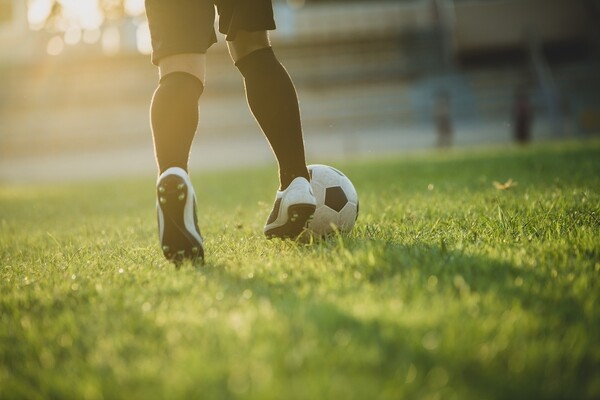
(373, 77)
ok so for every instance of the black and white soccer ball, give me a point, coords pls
(337, 200)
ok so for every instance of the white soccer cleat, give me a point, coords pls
(178, 230)
(292, 210)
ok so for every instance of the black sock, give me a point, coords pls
(174, 118)
(272, 99)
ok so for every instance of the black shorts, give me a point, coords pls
(187, 26)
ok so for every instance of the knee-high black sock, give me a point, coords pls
(272, 99)
(174, 118)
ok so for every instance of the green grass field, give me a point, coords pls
(447, 288)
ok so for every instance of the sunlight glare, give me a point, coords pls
(134, 7)
(83, 21)
(144, 43)
(37, 12)
(83, 13)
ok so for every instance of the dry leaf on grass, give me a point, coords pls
(506, 185)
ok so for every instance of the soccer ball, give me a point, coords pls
(337, 200)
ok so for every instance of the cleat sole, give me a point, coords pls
(299, 216)
(177, 243)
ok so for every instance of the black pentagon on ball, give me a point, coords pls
(335, 198)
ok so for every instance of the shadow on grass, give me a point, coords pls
(425, 320)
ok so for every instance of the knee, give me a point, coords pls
(192, 63)
(246, 43)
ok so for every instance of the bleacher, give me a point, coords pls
(356, 65)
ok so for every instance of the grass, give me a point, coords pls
(447, 288)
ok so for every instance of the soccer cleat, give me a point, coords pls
(292, 210)
(178, 230)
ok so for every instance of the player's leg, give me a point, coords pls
(181, 33)
(174, 108)
(174, 118)
(273, 101)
